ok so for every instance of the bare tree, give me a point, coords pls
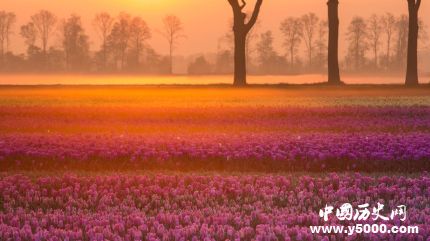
(412, 61)
(75, 44)
(250, 43)
(226, 42)
(423, 34)
(200, 66)
(119, 39)
(375, 31)
(357, 37)
(140, 33)
(103, 23)
(333, 42)
(44, 22)
(172, 32)
(7, 20)
(225, 48)
(3, 16)
(310, 25)
(321, 44)
(269, 61)
(388, 25)
(29, 33)
(402, 40)
(241, 29)
(292, 29)
(10, 21)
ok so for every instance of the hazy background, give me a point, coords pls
(207, 22)
(204, 21)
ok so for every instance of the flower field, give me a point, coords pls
(206, 163)
(193, 207)
(255, 152)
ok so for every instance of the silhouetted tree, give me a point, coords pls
(310, 26)
(55, 60)
(154, 63)
(10, 21)
(375, 31)
(357, 37)
(224, 62)
(402, 41)
(172, 32)
(140, 33)
(35, 58)
(75, 44)
(200, 66)
(241, 29)
(3, 19)
(388, 25)
(7, 20)
(226, 43)
(423, 33)
(321, 45)
(103, 23)
(265, 51)
(119, 39)
(292, 29)
(28, 32)
(268, 59)
(13, 63)
(333, 42)
(412, 60)
(44, 22)
(251, 37)
(358, 45)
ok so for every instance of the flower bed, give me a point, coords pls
(195, 207)
(252, 152)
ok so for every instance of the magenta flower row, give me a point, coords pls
(271, 151)
(195, 207)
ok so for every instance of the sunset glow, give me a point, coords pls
(215, 15)
(214, 120)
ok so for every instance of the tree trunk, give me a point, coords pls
(375, 52)
(171, 58)
(1, 48)
(412, 64)
(333, 45)
(357, 55)
(388, 61)
(388, 52)
(2, 57)
(104, 54)
(122, 60)
(239, 57)
(241, 29)
(292, 56)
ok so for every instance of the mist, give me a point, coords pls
(207, 49)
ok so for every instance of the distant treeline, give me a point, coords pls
(376, 44)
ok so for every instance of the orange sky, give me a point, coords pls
(204, 21)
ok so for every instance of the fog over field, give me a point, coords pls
(215, 14)
(265, 120)
(135, 41)
(188, 80)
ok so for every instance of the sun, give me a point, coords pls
(154, 4)
(137, 5)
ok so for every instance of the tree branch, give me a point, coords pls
(232, 2)
(254, 16)
(417, 5)
(243, 5)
